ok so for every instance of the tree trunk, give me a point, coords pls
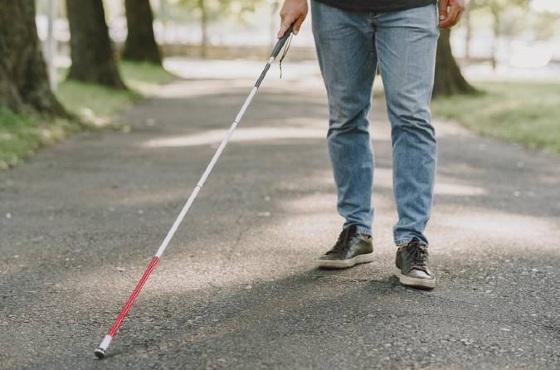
(468, 34)
(448, 79)
(24, 82)
(92, 54)
(140, 43)
(496, 28)
(203, 28)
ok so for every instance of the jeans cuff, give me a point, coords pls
(405, 241)
(363, 230)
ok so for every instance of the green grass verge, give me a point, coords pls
(21, 135)
(523, 112)
(96, 107)
(144, 76)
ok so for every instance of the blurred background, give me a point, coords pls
(498, 71)
(506, 38)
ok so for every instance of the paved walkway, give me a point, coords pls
(238, 288)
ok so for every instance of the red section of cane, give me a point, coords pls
(124, 311)
(104, 345)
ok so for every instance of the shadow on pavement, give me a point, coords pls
(236, 289)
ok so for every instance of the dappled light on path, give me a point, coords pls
(444, 185)
(500, 226)
(240, 135)
(238, 282)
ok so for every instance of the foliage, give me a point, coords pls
(21, 135)
(522, 112)
(145, 75)
(514, 9)
(214, 9)
(497, 5)
(546, 25)
(97, 105)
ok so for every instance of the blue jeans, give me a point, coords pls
(349, 47)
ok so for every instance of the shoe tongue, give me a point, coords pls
(351, 230)
(346, 234)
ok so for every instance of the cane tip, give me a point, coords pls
(99, 353)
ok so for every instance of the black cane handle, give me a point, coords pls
(281, 42)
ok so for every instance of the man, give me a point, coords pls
(352, 37)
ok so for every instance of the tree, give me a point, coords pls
(91, 50)
(24, 83)
(497, 9)
(140, 42)
(203, 27)
(448, 78)
(546, 25)
(468, 32)
(209, 10)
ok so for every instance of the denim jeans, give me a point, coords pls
(349, 47)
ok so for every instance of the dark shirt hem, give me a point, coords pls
(376, 6)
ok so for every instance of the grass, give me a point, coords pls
(21, 135)
(144, 77)
(527, 113)
(524, 112)
(96, 107)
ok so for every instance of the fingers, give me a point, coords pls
(457, 16)
(286, 23)
(452, 15)
(287, 19)
(443, 4)
(293, 12)
(452, 18)
(297, 24)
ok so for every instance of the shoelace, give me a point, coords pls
(419, 255)
(342, 240)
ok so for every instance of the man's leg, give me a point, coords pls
(345, 48)
(406, 44)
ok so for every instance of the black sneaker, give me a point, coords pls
(412, 261)
(350, 249)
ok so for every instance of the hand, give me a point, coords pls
(450, 12)
(292, 12)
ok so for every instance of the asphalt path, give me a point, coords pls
(238, 287)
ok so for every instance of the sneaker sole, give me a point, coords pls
(416, 282)
(344, 264)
